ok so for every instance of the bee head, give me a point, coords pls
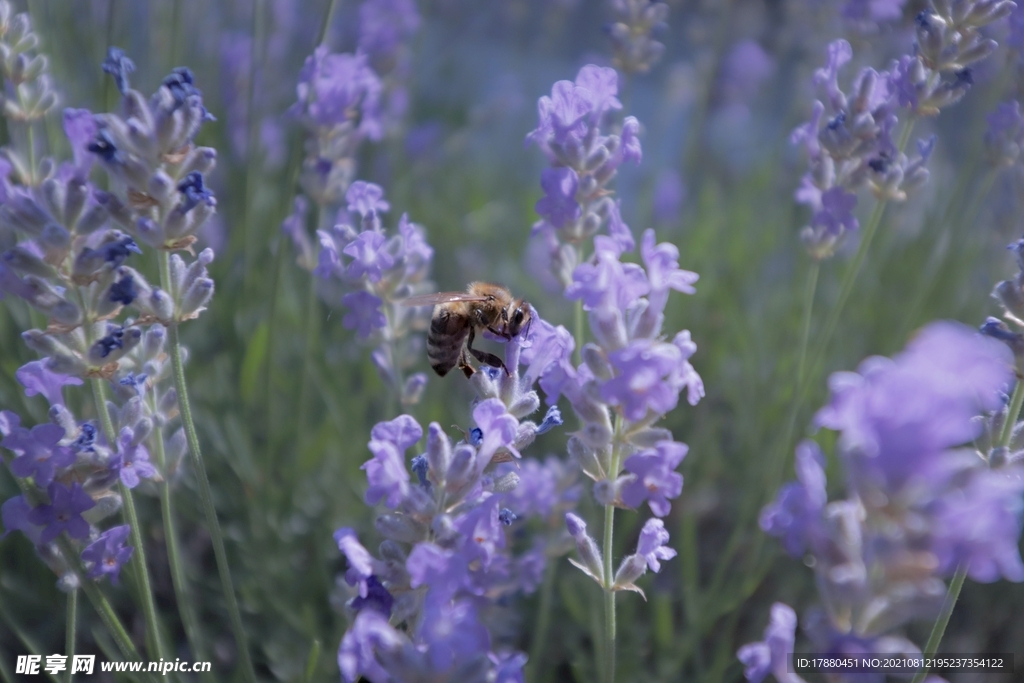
(518, 317)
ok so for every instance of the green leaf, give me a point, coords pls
(255, 355)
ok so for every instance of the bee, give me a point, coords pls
(457, 318)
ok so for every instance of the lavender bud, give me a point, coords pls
(596, 361)
(631, 569)
(586, 547)
(525, 435)
(461, 469)
(391, 552)
(105, 507)
(196, 297)
(131, 412)
(648, 438)
(444, 528)
(399, 527)
(24, 262)
(505, 483)
(439, 453)
(606, 491)
(524, 405)
(412, 392)
(153, 345)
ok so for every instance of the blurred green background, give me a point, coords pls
(285, 471)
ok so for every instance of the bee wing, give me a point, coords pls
(440, 298)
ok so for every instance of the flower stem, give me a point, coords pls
(181, 593)
(312, 330)
(70, 621)
(607, 549)
(206, 499)
(540, 631)
(153, 642)
(1006, 433)
(805, 336)
(939, 629)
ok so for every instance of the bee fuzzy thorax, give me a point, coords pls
(459, 316)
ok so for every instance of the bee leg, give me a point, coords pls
(464, 365)
(484, 357)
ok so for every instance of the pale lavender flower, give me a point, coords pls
(333, 86)
(108, 553)
(669, 196)
(358, 653)
(386, 472)
(14, 514)
(640, 384)
(361, 565)
(370, 258)
(38, 453)
(364, 314)
(772, 654)
(63, 513)
(133, 459)
(384, 25)
(38, 379)
(654, 477)
(365, 198)
(651, 546)
(796, 514)
(558, 206)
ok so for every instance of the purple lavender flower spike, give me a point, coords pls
(403, 431)
(453, 634)
(37, 452)
(796, 514)
(369, 256)
(358, 653)
(386, 473)
(38, 379)
(366, 198)
(384, 25)
(640, 384)
(558, 205)
(499, 430)
(331, 86)
(772, 654)
(981, 527)
(108, 553)
(602, 86)
(80, 129)
(14, 515)
(364, 314)
(361, 565)
(63, 513)
(444, 571)
(133, 459)
(651, 546)
(655, 479)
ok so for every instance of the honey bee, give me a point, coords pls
(458, 316)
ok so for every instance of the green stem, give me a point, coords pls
(153, 642)
(31, 154)
(607, 549)
(609, 594)
(540, 631)
(206, 499)
(939, 629)
(307, 359)
(1006, 433)
(181, 592)
(71, 621)
(805, 336)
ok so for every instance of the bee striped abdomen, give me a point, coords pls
(448, 332)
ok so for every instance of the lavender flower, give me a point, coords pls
(38, 453)
(918, 507)
(370, 274)
(577, 200)
(634, 49)
(108, 553)
(38, 379)
(63, 513)
(339, 104)
(772, 654)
